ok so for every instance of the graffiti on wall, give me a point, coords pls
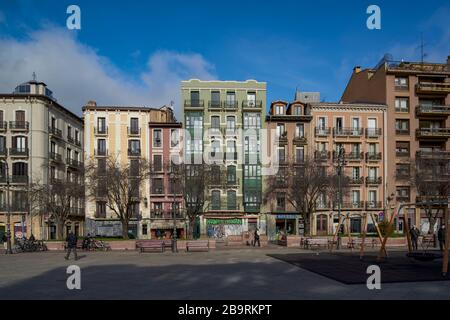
(220, 229)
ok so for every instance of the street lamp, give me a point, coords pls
(340, 162)
(8, 217)
(174, 234)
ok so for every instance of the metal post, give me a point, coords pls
(174, 235)
(8, 218)
(340, 163)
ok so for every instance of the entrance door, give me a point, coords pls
(322, 225)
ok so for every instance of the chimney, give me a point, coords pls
(91, 103)
(357, 69)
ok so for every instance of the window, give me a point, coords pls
(215, 122)
(101, 125)
(215, 200)
(76, 156)
(195, 98)
(297, 110)
(157, 186)
(231, 174)
(402, 148)
(402, 126)
(194, 121)
(134, 147)
(402, 104)
(215, 98)
(101, 166)
(144, 230)
(231, 100)
(373, 173)
(321, 123)
(101, 147)
(355, 124)
(372, 198)
(19, 200)
(401, 83)
(300, 130)
(157, 138)
(356, 173)
(2, 144)
(231, 200)
(402, 194)
(251, 99)
(252, 121)
(19, 143)
(402, 170)
(53, 173)
(134, 125)
(20, 116)
(157, 162)
(299, 154)
(68, 154)
(54, 124)
(252, 171)
(281, 155)
(280, 130)
(174, 138)
(281, 202)
(20, 169)
(69, 133)
(279, 110)
(100, 211)
(355, 198)
(339, 124)
(231, 150)
(231, 124)
(77, 136)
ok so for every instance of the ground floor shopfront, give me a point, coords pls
(220, 227)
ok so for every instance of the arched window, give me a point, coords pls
(231, 200)
(215, 200)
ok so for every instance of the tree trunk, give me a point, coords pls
(125, 229)
(191, 227)
(307, 225)
(60, 227)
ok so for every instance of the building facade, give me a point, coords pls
(41, 142)
(359, 130)
(122, 133)
(291, 123)
(223, 121)
(417, 96)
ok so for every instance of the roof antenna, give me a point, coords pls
(34, 76)
(422, 46)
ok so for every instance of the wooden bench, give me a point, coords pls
(428, 241)
(357, 242)
(198, 245)
(150, 246)
(318, 242)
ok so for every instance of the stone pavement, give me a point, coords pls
(246, 273)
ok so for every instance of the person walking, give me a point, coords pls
(441, 237)
(256, 238)
(71, 245)
(415, 233)
(5, 241)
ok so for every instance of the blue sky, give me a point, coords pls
(136, 52)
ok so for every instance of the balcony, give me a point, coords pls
(373, 133)
(74, 163)
(436, 201)
(252, 104)
(70, 139)
(358, 205)
(3, 153)
(322, 155)
(18, 152)
(215, 105)
(231, 105)
(229, 132)
(374, 205)
(282, 138)
(77, 212)
(19, 125)
(101, 131)
(403, 199)
(224, 207)
(194, 104)
(101, 152)
(300, 140)
(433, 154)
(322, 132)
(441, 133)
(3, 125)
(166, 214)
(55, 132)
(373, 180)
(433, 87)
(320, 205)
(402, 153)
(55, 156)
(402, 175)
(133, 132)
(252, 207)
(402, 132)
(356, 181)
(19, 179)
(231, 156)
(157, 190)
(427, 110)
(352, 156)
(78, 143)
(348, 132)
(373, 156)
(231, 183)
(134, 152)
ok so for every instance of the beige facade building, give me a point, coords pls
(40, 141)
(417, 96)
(359, 130)
(123, 133)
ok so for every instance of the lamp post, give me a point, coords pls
(174, 234)
(340, 162)
(8, 217)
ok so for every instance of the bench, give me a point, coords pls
(355, 242)
(150, 246)
(318, 242)
(428, 241)
(198, 245)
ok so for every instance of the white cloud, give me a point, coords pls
(76, 73)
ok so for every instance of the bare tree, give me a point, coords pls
(194, 181)
(118, 184)
(431, 179)
(303, 184)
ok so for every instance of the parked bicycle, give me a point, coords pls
(24, 245)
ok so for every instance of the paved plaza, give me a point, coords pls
(245, 273)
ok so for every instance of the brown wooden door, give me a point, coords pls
(20, 116)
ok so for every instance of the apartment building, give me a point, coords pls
(291, 123)
(40, 142)
(166, 198)
(359, 130)
(123, 133)
(224, 121)
(417, 95)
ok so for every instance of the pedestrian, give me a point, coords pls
(71, 245)
(5, 241)
(256, 238)
(441, 237)
(415, 233)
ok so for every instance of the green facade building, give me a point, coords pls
(224, 121)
